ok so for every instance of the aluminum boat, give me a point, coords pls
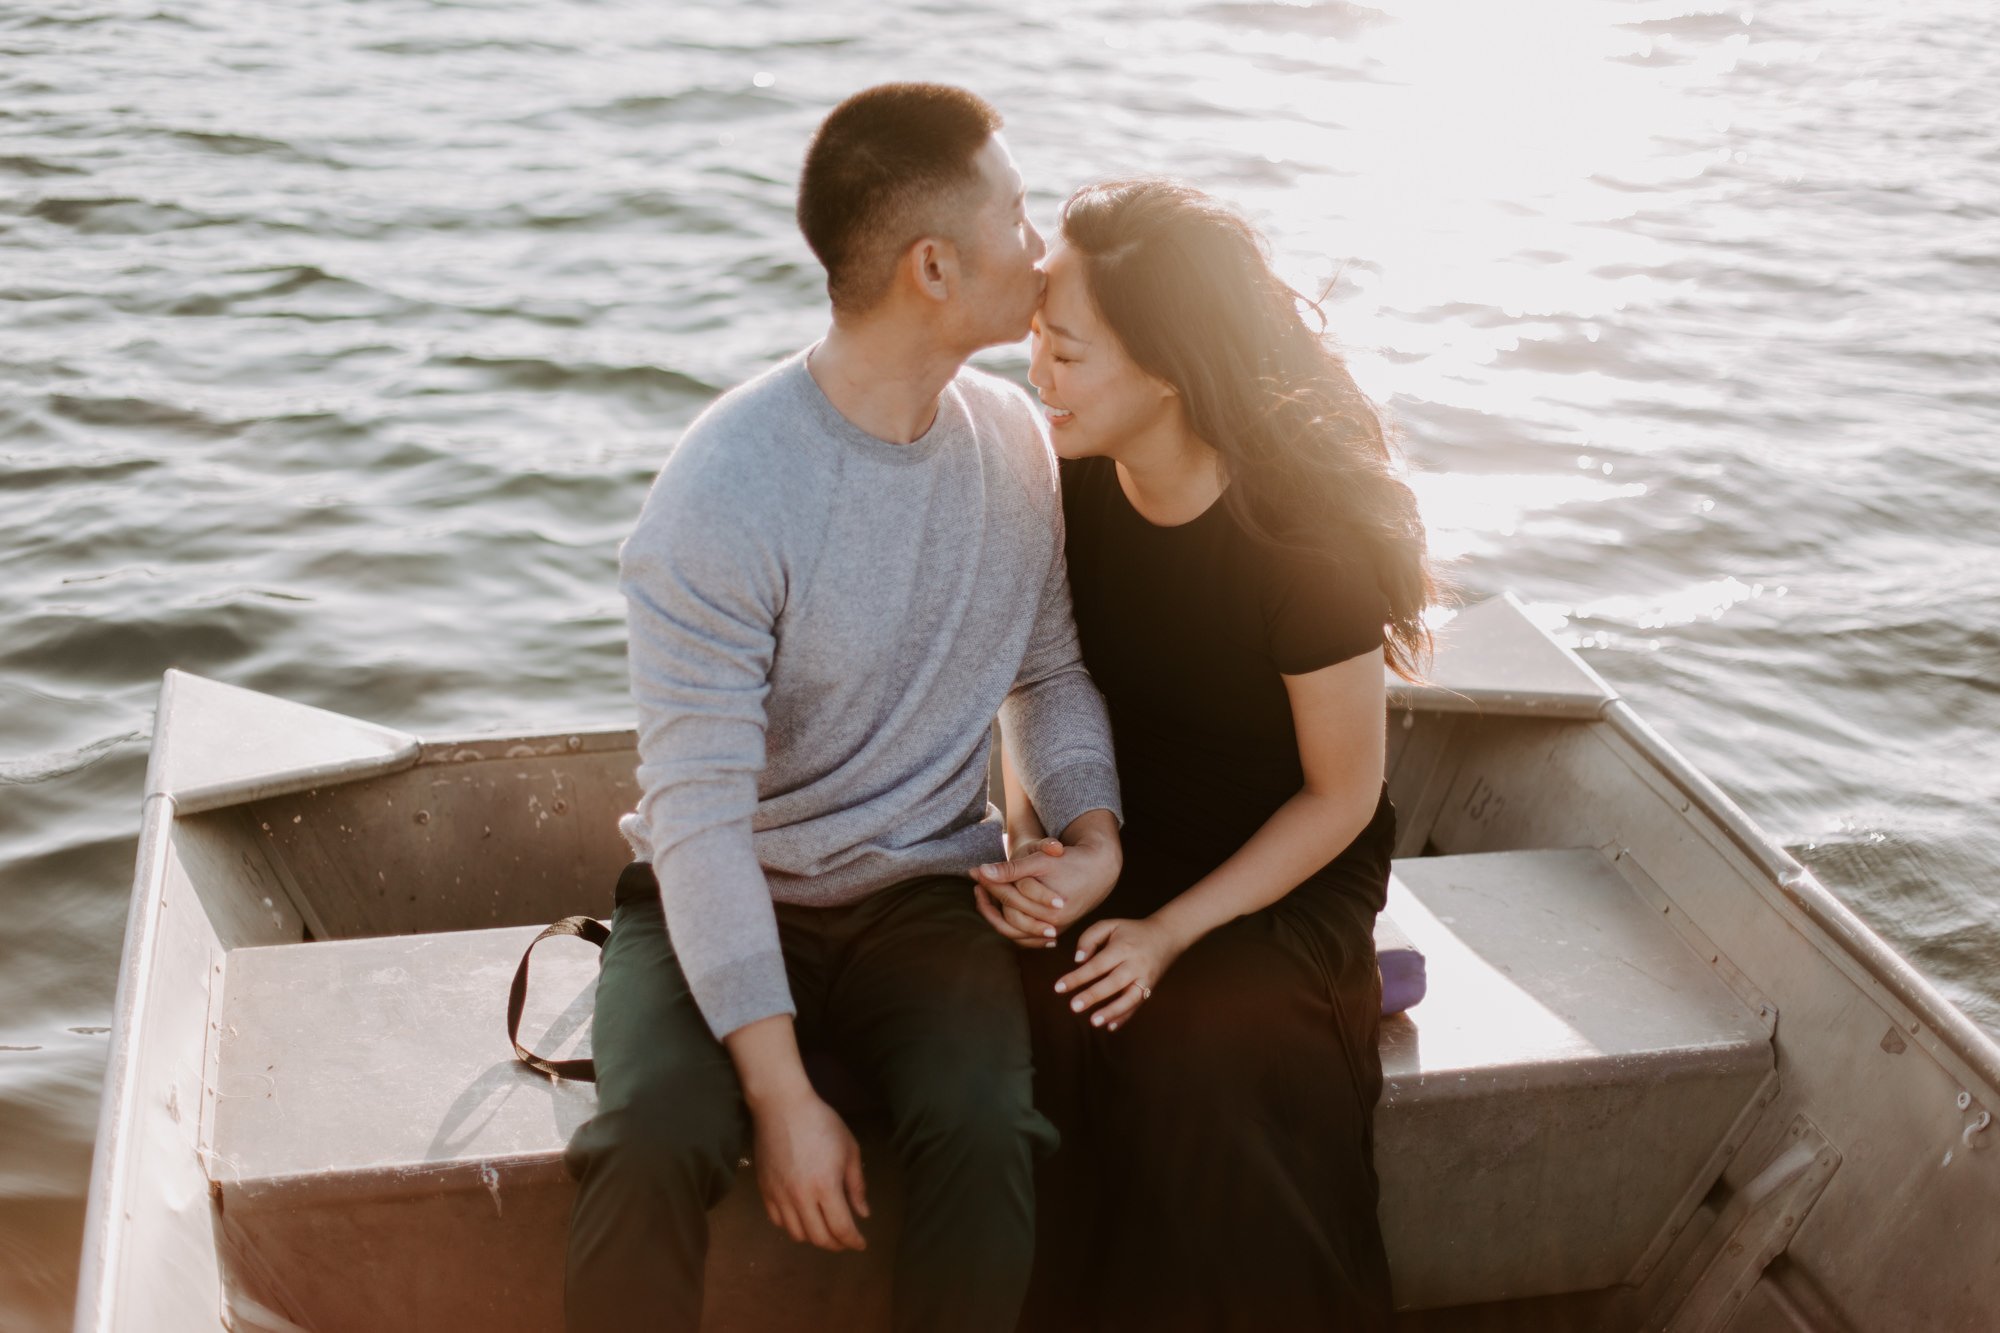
(1661, 1079)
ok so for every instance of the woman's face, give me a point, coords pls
(1096, 397)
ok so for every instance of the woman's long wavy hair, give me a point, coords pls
(1185, 283)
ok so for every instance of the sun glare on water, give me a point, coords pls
(1464, 169)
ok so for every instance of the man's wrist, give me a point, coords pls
(768, 1065)
(1092, 829)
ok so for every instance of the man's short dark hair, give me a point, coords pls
(886, 169)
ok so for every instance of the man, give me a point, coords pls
(845, 568)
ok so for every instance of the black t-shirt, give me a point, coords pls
(1187, 631)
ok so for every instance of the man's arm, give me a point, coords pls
(703, 588)
(1057, 740)
(808, 1164)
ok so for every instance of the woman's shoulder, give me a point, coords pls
(1084, 482)
(1322, 600)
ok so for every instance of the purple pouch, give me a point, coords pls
(1401, 964)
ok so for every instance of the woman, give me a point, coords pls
(1242, 558)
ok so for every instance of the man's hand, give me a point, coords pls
(1051, 884)
(808, 1164)
(809, 1172)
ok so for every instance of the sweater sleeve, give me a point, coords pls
(1054, 719)
(703, 590)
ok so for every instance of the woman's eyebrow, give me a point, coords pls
(1064, 333)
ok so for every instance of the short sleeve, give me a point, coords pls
(1322, 609)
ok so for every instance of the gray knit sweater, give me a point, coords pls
(823, 626)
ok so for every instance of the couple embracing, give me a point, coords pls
(1130, 1073)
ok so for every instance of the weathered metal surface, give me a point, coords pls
(1492, 659)
(1965, 1039)
(218, 745)
(1909, 1200)
(1422, 764)
(149, 1259)
(370, 1105)
(489, 834)
(1563, 1085)
(1753, 1230)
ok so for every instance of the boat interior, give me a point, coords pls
(1658, 1078)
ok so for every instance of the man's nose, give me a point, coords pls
(1036, 245)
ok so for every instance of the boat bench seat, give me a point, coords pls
(1565, 1094)
(381, 1162)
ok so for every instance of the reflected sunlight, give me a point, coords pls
(1472, 1015)
(1467, 512)
(1468, 172)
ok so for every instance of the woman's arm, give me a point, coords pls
(1340, 715)
(1024, 826)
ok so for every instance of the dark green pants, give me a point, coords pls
(913, 992)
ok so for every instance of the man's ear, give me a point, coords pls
(933, 267)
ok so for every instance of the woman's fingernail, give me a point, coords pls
(1079, 955)
(1076, 1005)
(1056, 901)
(1114, 1027)
(1060, 988)
(1050, 945)
(1049, 931)
(1097, 1020)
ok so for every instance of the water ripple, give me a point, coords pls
(339, 345)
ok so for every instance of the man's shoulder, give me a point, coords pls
(742, 428)
(1002, 411)
(751, 450)
(998, 400)
(744, 465)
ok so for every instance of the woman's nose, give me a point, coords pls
(1038, 362)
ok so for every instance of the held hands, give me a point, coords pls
(1051, 884)
(1122, 961)
(1017, 901)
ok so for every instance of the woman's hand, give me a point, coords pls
(1048, 885)
(1122, 961)
(1024, 909)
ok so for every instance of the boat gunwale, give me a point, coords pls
(1799, 887)
(117, 1117)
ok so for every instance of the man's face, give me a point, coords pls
(1000, 284)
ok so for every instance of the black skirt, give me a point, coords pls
(1217, 1173)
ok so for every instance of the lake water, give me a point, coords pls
(339, 343)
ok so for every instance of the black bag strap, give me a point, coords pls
(582, 1071)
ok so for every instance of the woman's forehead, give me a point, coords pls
(1066, 309)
